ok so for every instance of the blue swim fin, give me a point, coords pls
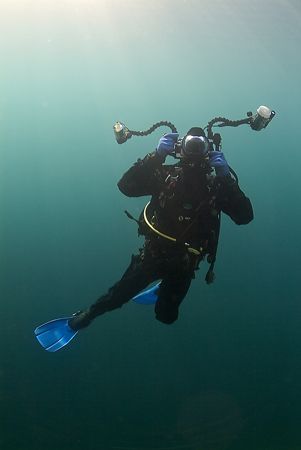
(147, 297)
(55, 334)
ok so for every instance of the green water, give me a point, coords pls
(227, 375)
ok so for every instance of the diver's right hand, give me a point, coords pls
(166, 145)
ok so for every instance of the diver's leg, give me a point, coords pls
(173, 289)
(138, 275)
(171, 294)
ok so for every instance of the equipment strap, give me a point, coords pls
(166, 236)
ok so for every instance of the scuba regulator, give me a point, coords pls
(257, 122)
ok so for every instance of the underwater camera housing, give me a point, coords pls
(257, 122)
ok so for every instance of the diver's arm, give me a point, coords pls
(234, 203)
(143, 177)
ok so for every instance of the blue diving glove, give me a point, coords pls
(218, 161)
(166, 145)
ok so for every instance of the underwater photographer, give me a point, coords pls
(180, 223)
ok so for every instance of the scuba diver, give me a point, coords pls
(180, 224)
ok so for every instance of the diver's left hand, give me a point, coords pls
(218, 161)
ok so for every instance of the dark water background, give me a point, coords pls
(227, 374)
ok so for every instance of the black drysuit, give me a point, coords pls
(186, 202)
